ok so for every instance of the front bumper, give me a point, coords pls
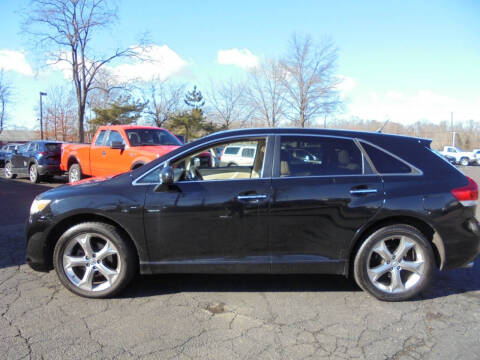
(49, 170)
(39, 251)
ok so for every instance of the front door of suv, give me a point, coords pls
(323, 192)
(213, 218)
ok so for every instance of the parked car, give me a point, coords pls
(40, 160)
(381, 208)
(238, 155)
(7, 150)
(461, 157)
(448, 158)
(116, 149)
(476, 155)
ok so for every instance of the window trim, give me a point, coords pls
(266, 172)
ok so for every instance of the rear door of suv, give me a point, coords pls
(323, 191)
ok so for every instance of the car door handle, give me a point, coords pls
(252, 197)
(104, 153)
(363, 191)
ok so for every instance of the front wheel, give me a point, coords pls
(464, 161)
(395, 263)
(9, 171)
(94, 260)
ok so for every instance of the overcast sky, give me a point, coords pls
(403, 60)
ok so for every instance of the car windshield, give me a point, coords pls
(53, 147)
(151, 137)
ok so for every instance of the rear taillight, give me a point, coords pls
(42, 153)
(467, 195)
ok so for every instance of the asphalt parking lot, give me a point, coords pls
(225, 317)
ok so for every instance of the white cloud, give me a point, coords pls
(12, 60)
(409, 108)
(157, 62)
(346, 84)
(160, 62)
(243, 58)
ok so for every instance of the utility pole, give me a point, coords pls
(451, 128)
(41, 114)
(325, 121)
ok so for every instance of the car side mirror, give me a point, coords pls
(117, 145)
(167, 176)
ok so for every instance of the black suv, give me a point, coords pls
(384, 209)
(38, 159)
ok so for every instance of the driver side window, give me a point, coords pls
(227, 161)
(233, 160)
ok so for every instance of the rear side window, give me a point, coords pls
(99, 140)
(233, 150)
(319, 156)
(385, 163)
(248, 153)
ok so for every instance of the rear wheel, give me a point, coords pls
(9, 172)
(94, 260)
(33, 174)
(395, 263)
(464, 161)
(75, 173)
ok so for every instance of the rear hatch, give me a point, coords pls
(53, 152)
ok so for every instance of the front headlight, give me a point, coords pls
(38, 205)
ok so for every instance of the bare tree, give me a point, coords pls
(67, 27)
(60, 113)
(266, 95)
(229, 104)
(5, 95)
(309, 79)
(164, 99)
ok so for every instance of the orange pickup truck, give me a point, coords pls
(116, 149)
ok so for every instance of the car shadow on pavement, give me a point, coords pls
(444, 283)
(151, 285)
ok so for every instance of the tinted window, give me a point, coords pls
(53, 147)
(385, 163)
(248, 153)
(315, 156)
(233, 150)
(151, 137)
(114, 137)
(99, 140)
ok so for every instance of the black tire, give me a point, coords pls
(362, 258)
(464, 161)
(33, 174)
(8, 171)
(75, 173)
(232, 164)
(126, 253)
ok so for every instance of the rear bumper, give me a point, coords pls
(49, 170)
(462, 243)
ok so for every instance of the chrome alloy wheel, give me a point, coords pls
(91, 262)
(8, 170)
(33, 173)
(74, 175)
(396, 264)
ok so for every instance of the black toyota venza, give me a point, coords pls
(384, 209)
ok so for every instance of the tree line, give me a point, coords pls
(295, 88)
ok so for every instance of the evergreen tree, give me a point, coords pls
(194, 99)
(122, 111)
